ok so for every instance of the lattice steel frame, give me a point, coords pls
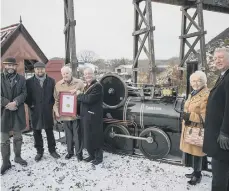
(145, 17)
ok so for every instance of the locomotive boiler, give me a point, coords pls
(142, 118)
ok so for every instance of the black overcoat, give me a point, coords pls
(217, 118)
(13, 120)
(91, 113)
(40, 101)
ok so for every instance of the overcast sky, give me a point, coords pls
(103, 26)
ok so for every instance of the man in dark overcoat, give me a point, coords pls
(91, 112)
(13, 95)
(216, 137)
(40, 100)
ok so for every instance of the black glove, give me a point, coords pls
(185, 117)
(223, 141)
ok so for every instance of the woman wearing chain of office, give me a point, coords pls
(194, 114)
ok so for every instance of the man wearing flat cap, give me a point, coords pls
(13, 95)
(40, 100)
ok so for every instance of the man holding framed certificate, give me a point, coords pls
(65, 109)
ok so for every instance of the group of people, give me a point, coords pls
(42, 96)
(210, 109)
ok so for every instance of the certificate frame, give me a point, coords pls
(64, 113)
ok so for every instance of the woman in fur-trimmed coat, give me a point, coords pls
(194, 107)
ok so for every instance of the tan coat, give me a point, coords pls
(194, 105)
(62, 86)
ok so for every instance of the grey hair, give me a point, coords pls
(66, 68)
(89, 69)
(224, 50)
(201, 75)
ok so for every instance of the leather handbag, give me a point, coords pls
(195, 135)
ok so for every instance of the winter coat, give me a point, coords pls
(40, 101)
(13, 120)
(217, 118)
(91, 112)
(195, 105)
(62, 86)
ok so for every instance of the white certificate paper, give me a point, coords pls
(68, 104)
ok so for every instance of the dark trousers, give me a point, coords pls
(73, 136)
(197, 163)
(96, 153)
(220, 175)
(39, 145)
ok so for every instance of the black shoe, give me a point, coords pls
(79, 157)
(96, 162)
(55, 155)
(6, 167)
(189, 175)
(195, 180)
(68, 156)
(20, 161)
(89, 159)
(38, 157)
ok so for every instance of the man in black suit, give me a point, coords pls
(216, 137)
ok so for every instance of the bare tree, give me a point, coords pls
(87, 56)
(117, 62)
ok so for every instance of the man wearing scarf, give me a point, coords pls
(40, 100)
(13, 95)
(70, 123)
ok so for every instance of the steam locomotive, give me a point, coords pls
(145, 119)
(142, 118)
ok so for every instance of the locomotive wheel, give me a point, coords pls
(161, 143)
(119, 143)
(115, 91)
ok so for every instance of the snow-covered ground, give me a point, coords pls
(117, 172)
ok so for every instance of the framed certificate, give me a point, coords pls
(68, 104)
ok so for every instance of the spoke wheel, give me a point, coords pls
(161, 143)
(119, 143)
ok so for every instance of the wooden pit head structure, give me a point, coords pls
(144, 28)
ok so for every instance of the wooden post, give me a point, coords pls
(70, 41)
(146, 19)
(199, 36)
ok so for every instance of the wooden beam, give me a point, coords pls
(144, 48)
(144, 13)
(189, 45)
(152, 73)
(190, 50)
(141, 14)
(191, 20)
(139, 32)
(190, 35)
(140, 49)
(190, 24)
(66, 27)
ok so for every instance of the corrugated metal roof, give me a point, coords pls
(7, 31)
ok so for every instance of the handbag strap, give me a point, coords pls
(201, 121)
